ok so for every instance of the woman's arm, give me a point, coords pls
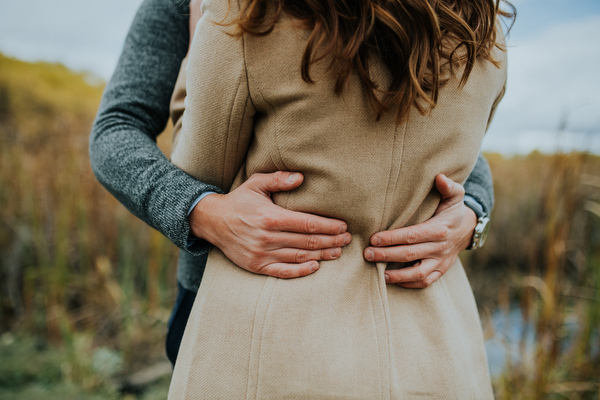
(134, 111)
(217, 127)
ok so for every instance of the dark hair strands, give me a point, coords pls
(422, 41)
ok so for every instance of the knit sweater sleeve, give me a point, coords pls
(134, 111)
(479, 185)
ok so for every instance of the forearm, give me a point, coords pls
(479, 186)
(133, 112)
(135, 171)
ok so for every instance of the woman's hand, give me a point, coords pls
(262, 237)
(434, 244)
(195, 15)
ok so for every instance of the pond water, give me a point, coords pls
(515, 339)
(508, 332)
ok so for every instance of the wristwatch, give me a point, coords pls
(480, 233)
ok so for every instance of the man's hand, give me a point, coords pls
(262, 237)
(434, 244)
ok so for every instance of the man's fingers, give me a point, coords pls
(275, 182)
(404, 253)
(277, 218)
(448, 188)
(292, 221)
(421, 233)
(416, 273)
(434, 276)
(285, 270)
(307, 241)
(298, 256)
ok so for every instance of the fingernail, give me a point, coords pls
(336, 252)
(343, 228)
(314, 267)
(387, 278)
(345, 242)
(293, 176)
(370, 255)
(376, 241)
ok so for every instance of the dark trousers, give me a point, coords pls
(178, 320)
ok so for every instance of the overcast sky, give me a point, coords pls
(554, 59)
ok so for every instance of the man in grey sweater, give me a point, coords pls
(126, 160)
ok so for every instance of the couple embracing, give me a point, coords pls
(374, 110)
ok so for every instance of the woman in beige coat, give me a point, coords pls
(380, 117)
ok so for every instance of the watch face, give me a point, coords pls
(484, 231)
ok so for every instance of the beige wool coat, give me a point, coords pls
(340, 333)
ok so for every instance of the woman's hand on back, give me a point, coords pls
(262, 237)
(434, 244)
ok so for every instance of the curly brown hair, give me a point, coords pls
(420, 40)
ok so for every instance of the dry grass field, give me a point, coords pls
(86, 288)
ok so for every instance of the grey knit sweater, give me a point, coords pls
(134, 111)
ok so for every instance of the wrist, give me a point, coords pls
(474, 205)
(469, 224)
(202, 217)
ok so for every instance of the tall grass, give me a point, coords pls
(543, 259)
(86, 288)
(73, 262)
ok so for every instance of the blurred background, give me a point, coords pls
(86, 288)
